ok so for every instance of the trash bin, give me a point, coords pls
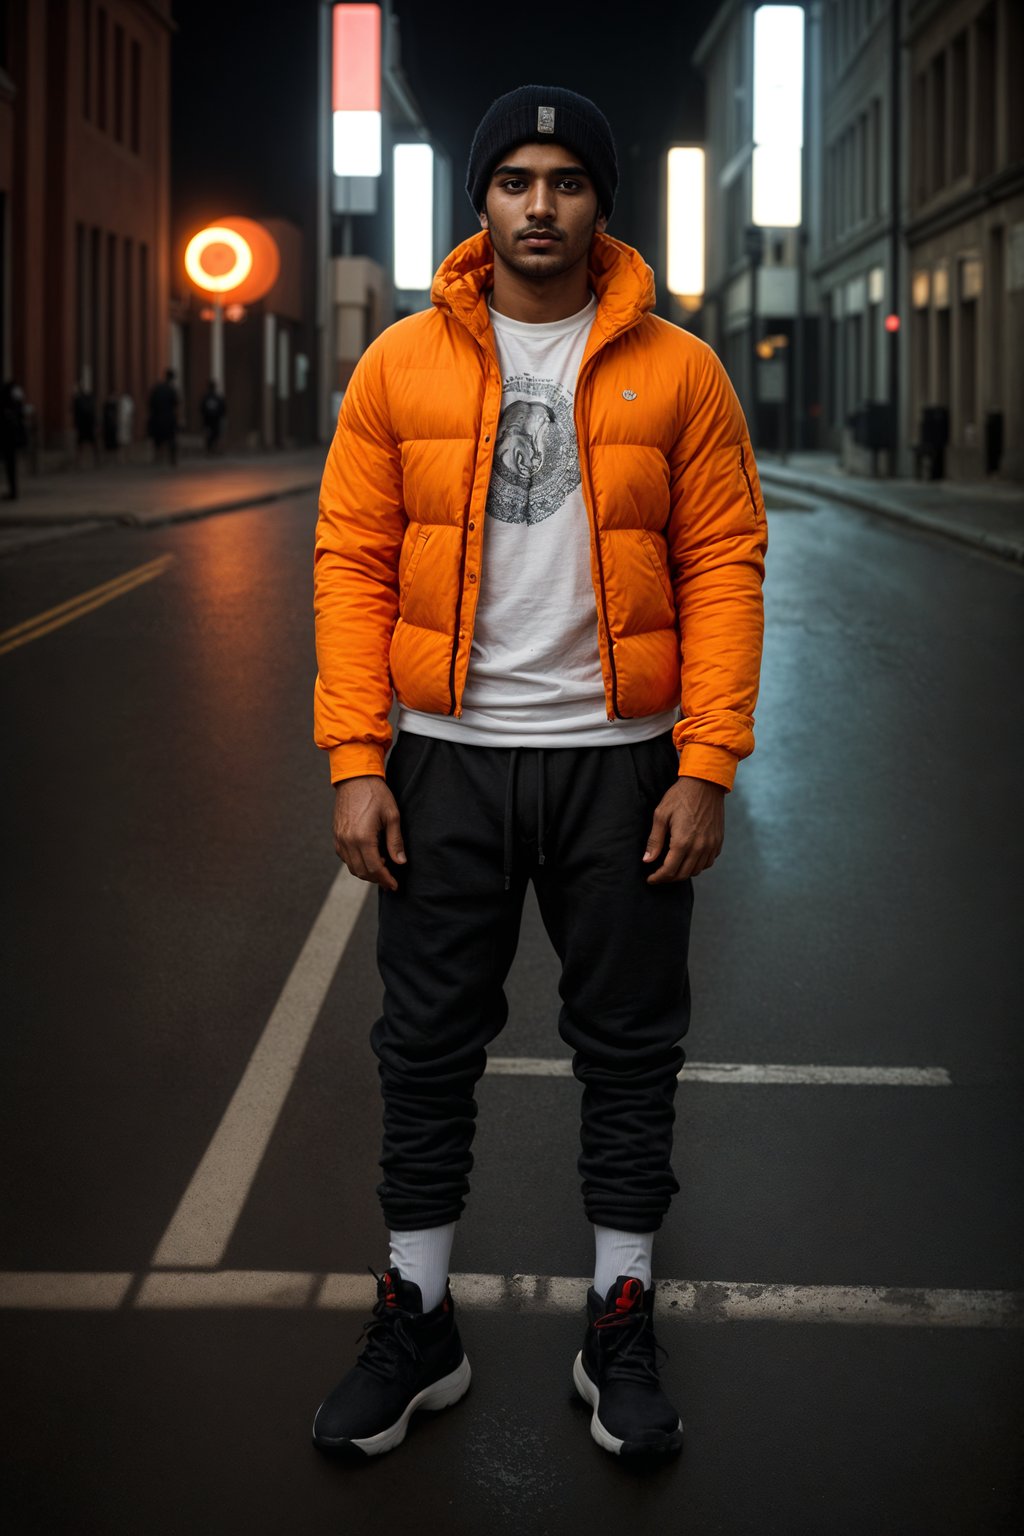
(993, 441)
(933, 437)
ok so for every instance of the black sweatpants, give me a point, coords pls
(478, 823)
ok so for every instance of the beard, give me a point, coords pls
(565, 254)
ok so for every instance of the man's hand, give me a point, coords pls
(363, 809)
(691, 816)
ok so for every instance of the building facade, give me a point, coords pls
(965, 230)
(901, 298)
(84, 203)
(759, 282)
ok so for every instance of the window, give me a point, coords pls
(985, 90)
(87, 59)
(876, 156)
(119, 84)
(937, 122)
(128, 323)
(958, 106)
(136, 95)
(144, 312)
(101, 70)
(919, 180)
(111, 357)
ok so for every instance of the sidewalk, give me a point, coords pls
(987, 515)
(74, 500)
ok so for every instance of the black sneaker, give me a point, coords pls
(412, 1359)
(616, 1372)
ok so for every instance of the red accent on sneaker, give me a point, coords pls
(630, 1296)
(390, 1294)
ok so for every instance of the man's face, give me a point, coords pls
(541, 190)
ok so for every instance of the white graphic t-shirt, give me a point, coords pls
(535, 670)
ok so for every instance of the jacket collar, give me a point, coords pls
(619, 276)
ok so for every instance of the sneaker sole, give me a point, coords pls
(440, 1394)
(665, 1445)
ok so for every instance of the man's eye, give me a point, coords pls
(513, 182)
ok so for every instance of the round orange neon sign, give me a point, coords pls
(233, 258)
(218, 259)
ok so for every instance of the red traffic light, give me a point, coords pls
(892, 322)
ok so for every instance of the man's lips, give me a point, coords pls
(539, 239)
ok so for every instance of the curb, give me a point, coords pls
(44, 531)
(975, 538)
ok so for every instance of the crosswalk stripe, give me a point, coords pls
(701, 1301)
(747, 1072)
(201, 1227)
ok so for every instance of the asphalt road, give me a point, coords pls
(167, 853)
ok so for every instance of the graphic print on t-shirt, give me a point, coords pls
(536, 465)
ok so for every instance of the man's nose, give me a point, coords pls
(540, 204)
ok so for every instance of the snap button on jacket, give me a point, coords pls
(677, 521)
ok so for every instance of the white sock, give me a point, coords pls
(423, 1257)
(621, 1253)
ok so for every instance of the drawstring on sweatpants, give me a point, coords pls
(510, 797)
(510, 791)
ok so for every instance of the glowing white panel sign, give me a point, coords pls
(778, 114)
(357, 144)
(414, 216)
(686, 222)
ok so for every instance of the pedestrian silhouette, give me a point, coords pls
(110, 424)
(213, 409)
(163, 417)
(13, 435)
(83, 414)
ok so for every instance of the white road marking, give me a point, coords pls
(744, 1072)
(703, 1301)
(202, 1225)
(43, 1292)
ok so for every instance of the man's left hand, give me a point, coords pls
(690, 818)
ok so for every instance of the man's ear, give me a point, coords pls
(601, 223)
(483, 219)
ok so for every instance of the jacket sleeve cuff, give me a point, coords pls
(712, 763)
(355, 760)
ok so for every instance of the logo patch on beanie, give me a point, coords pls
(545, 119)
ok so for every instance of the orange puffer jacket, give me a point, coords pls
(677, 521)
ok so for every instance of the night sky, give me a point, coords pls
(243, 93)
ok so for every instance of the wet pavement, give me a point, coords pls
(166, 836)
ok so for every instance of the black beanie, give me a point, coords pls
(544, 114)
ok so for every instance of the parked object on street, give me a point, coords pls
(83, 414)
(932, 440)
(162, 425)
(213, 409)
(13, 433)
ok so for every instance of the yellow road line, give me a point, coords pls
(85, 602)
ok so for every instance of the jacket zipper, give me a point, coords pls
(588, 501)
(452, 705)
(750, 489)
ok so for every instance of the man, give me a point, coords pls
(212, 408)
(541, 529)
(162, 425)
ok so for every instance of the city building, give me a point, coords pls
(899, 302)
(965, 232)
(760, 290)
(84, 205)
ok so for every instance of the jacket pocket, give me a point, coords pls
(410, 570)
(659, 566)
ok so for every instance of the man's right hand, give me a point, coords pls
(365, 808)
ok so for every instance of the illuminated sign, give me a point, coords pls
(355, 90)
(778, 115)
(414, 216)
(233, 258)
(218, 259)
(686, 224)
